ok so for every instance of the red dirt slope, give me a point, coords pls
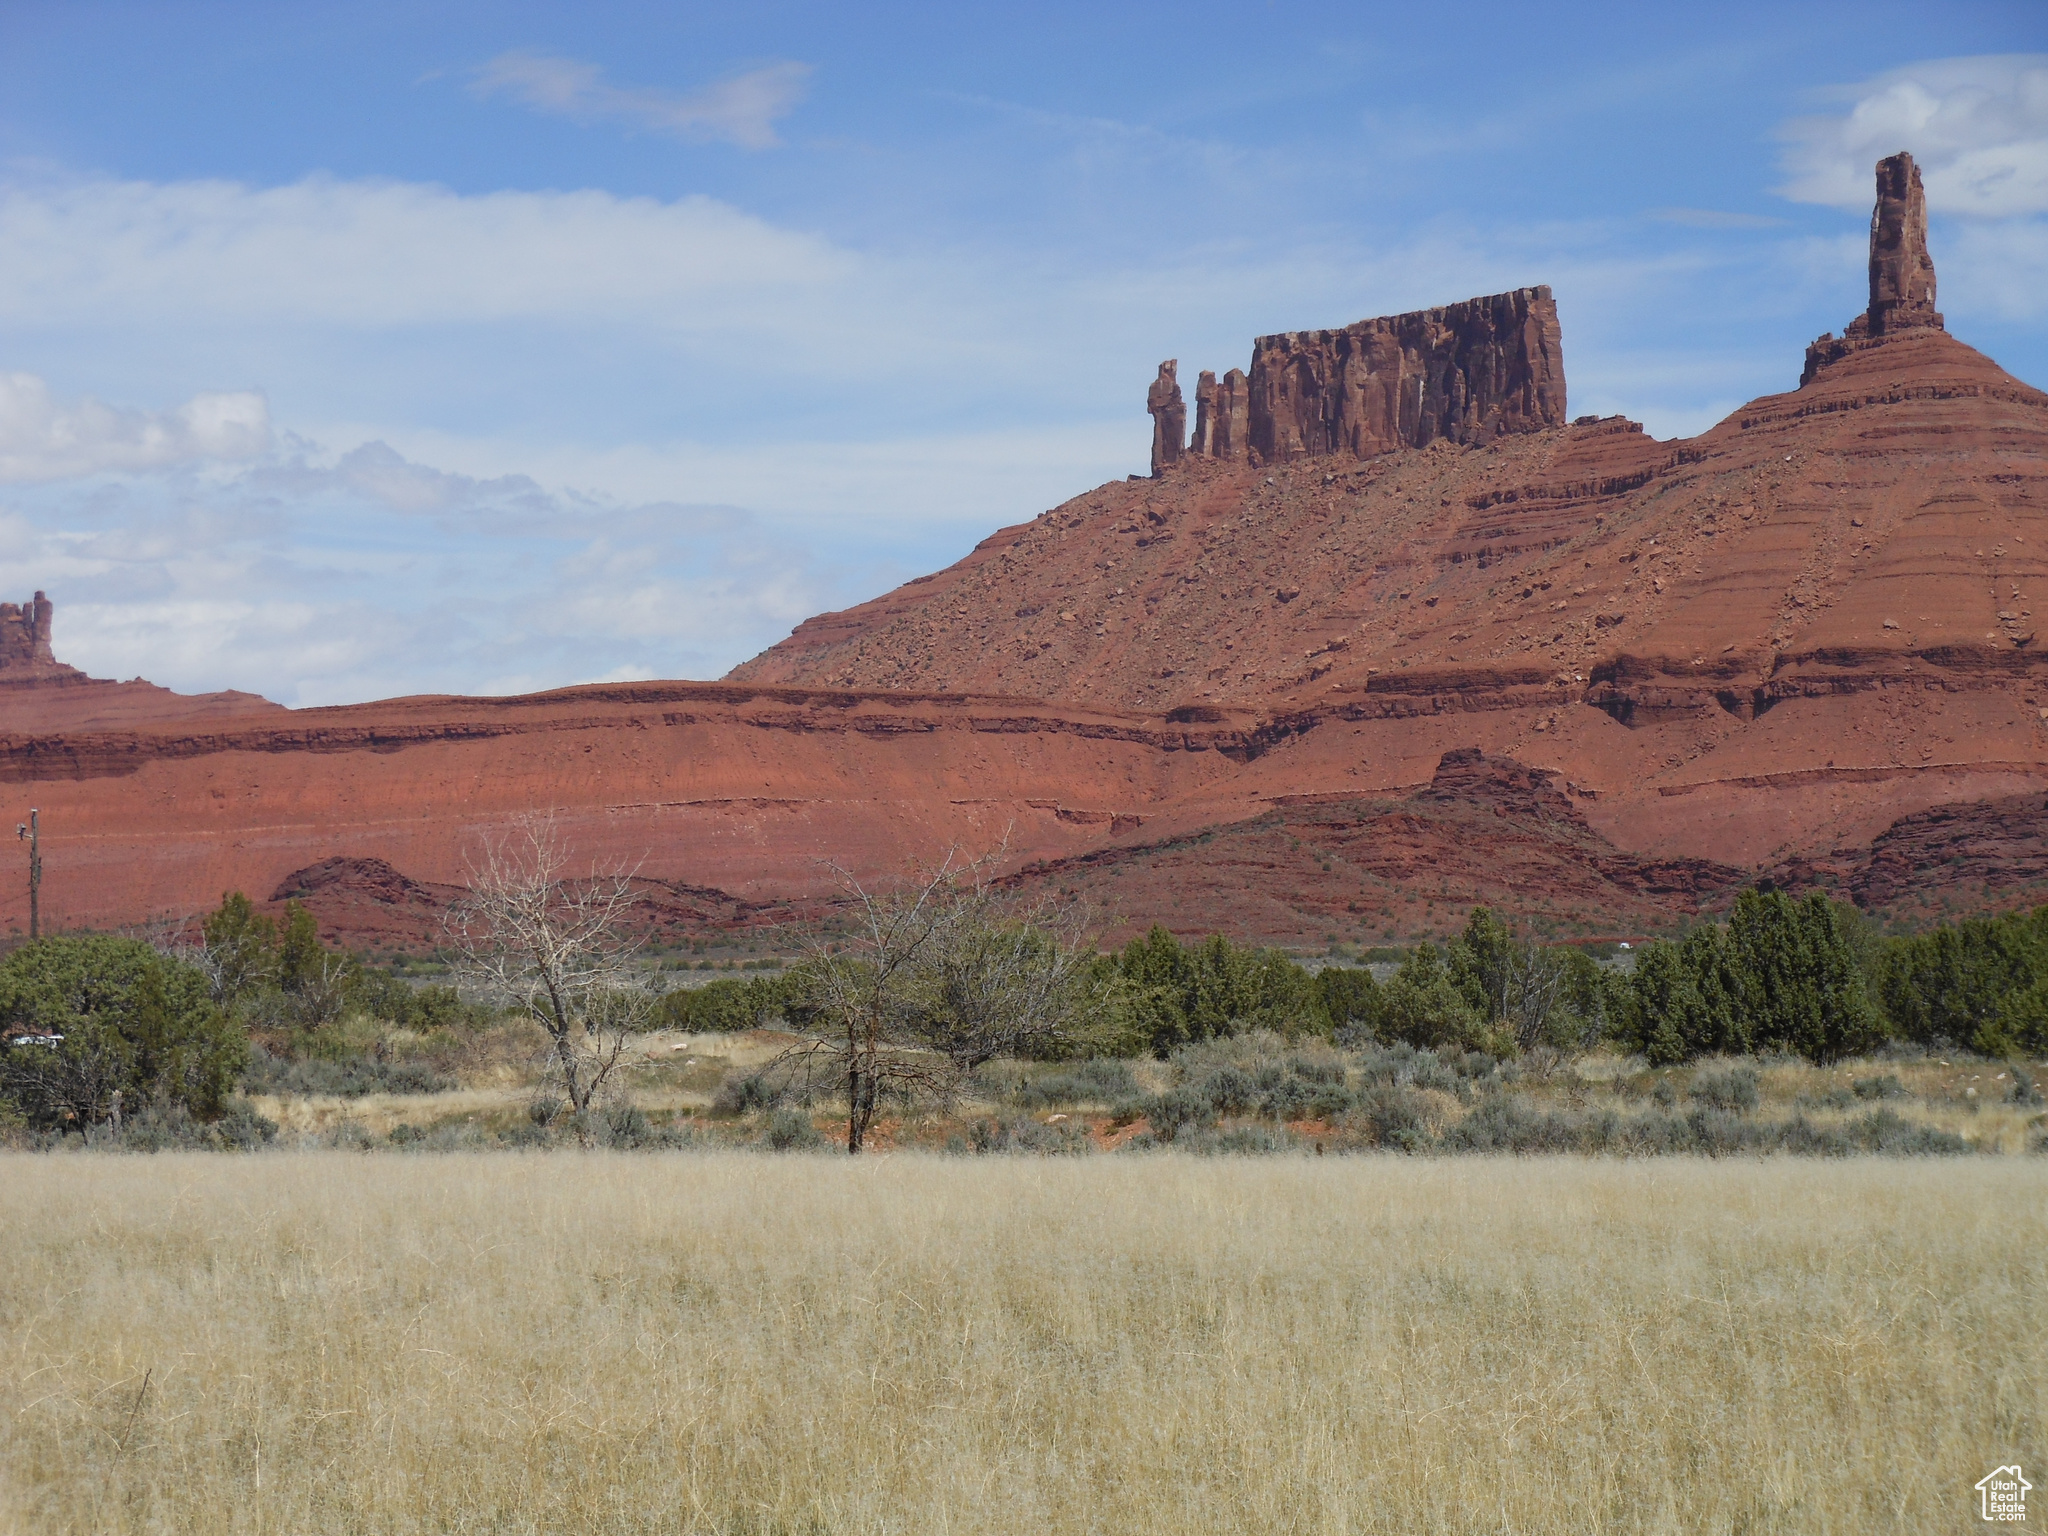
(1483, 830)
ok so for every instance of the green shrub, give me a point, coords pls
(1390, 1116)
(161, 1127)
(119, 1017)
(1099, 1081)
(1349, 998)
(1180, 1109)
(726, 1006)
(1176, 995)
(1423, 1005)
(746, 1093)
(349, 1079)
(790, 1130)
(1981, 984)
(1732, 1090)
(1782, 976)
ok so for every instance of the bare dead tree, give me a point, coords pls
(940, 973)
(556, 949)
(863, 990)
(1004, 977)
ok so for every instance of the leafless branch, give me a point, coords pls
(940, 973)
(554, 948)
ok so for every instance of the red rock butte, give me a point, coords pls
(1388, 634)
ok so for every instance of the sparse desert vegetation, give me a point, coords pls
(948, 1020)
(661, 1303)
(731, 1343)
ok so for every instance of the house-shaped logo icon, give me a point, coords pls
(2004, 1493)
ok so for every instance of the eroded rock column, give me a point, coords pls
(1901, 271)
(1169, 417)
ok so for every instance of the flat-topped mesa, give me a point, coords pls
(1465, 372)
(1169, 417)
(1901, 271)
(25, 635)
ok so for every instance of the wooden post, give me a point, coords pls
(33, 833)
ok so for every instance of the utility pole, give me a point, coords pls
(32, 831)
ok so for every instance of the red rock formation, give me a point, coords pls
(1901, 271)
(1369, 869)
(367, 904)
(1203, 445)
(1169, 419)
(1222, 417)
(25, 638)
(1775, 641)
(1465, 373)
(1822, 606)
(39, 692)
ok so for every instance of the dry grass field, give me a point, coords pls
(741, 1343)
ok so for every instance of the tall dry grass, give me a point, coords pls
(733, 1343)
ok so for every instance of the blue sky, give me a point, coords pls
(356, 350)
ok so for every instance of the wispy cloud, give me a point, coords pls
(382, 253)
(44, 438)
(740, 109)
(320, 578)
(1977, 126)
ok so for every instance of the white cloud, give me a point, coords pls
(315, 578)
(1977, 126)
(961, 479)
(741, 109)
(1999, 270)
(386, 253)
(43, 438)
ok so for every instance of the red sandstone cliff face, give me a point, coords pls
(1466, 373)
(1463, 373)
(1823, 606)
(1783, 640)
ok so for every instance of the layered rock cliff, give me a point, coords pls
(1462, 373)
(1622, 668)
(1824, 603)
(1465, 373)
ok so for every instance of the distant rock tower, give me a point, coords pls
(1169, 417)
(25, 635)
(1901, 271)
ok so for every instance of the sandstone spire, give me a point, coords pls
(25, 634)
(1204, 444)
(1233, 416)
(1901, 272)
(1169, 417)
